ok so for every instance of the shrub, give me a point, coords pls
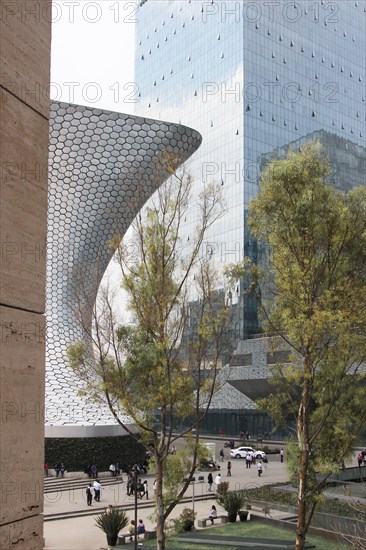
(185, 521)
(112, 522)
(222, 489)
(232, 502)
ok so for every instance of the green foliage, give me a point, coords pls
(184, 521)
(112, 522)
(313, 240)
(222, 490)
(77, 453)
(142, 368)
(232, 502)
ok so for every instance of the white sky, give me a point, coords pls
(93, 53)
(92, 62)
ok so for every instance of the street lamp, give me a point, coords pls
(134, 469)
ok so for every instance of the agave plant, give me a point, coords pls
(232, 502)
(111, 523)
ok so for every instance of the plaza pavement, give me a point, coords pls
(81, 533)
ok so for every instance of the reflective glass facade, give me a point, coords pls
(255, 78)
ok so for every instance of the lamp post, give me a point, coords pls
(135, 494)
(193, 482)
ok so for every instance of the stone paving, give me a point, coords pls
(80, 533)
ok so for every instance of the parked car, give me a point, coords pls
(241, 452)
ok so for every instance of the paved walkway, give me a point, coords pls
(82, 534)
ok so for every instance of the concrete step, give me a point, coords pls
(95, 510)
(69, 483)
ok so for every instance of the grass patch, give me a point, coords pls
(328, 505)
(244, 530)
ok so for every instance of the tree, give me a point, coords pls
(140, 368)
(312, 283)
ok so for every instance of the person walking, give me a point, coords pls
(281, 455)
(146, 489)
(129, 485)
(222, 455)
(259, 468)
(89, 494)
(97, 490)
(210, 481)
(46, 469)
(217, 481)
(228, 468)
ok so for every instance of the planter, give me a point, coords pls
(243, 515)
(232, 518)
(112, 539)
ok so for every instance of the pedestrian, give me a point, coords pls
(94, 471)
(222, 455)
(140, 527)
(112, 469)
(229, 468)
(129, 485)
(118, 469)
(109, 509)
(57, 468)
(259, 468)
(62, 469)
(253, 457)
(213, 514)
(265, 460)
(131, 530)
(281, 455)
(248, 459)
(146, 489)
(210, 481)
(359, 460)
(140, 489)
(46, 469)
(217, 481)
(97, 490)
(89, 494)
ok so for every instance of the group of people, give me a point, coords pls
(140, 529)
(59, 469)
(132, 529)
(210, 481)
(140, 487)
(115, 469)
(93, 490)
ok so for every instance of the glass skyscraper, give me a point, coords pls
(255, 79)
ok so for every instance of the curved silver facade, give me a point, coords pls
(102, 170)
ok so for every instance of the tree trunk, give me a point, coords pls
(303, 438)
(160, 531)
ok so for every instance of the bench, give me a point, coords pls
(202, 522)
(123, 539)
(259, 508)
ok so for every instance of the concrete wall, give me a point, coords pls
(25, 36)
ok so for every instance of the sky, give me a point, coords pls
(93, 53)
(92, 63)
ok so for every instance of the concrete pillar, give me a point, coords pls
(25, 34)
